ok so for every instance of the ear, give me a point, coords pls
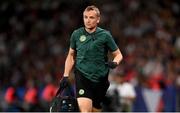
(98, 20)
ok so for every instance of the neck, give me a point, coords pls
(90, 30)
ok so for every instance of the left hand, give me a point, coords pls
(111, 64)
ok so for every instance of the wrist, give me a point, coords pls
(115, 62)
(65, 75)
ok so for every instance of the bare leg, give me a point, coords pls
(96, 110)
(85, 104)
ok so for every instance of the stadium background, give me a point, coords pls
(34, 40)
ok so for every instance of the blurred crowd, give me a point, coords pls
(34, 40)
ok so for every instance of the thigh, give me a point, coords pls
(99, 94)
(88, 89)
(83, 85)
(85, 104)
(83, 92)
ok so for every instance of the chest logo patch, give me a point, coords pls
(82, 38)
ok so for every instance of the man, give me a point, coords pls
(125, 91)
(88, 51)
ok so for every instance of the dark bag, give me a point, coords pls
(64, 101)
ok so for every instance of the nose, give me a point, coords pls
(88, 20)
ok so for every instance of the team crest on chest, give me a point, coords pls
(82, 38)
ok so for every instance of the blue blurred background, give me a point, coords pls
(34, 41)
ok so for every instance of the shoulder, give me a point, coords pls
(104, 31)
(101, 30)
(79, 30)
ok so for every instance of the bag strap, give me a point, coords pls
(61, 89)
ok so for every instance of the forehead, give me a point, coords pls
(90, 13)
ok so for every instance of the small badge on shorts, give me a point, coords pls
(81, 91)
(82, 38)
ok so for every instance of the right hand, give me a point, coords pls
(64, 82)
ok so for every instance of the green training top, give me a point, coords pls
(91, 52)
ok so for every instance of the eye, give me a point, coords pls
(92, 17)
(85, 17)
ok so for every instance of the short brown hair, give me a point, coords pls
(93, 8)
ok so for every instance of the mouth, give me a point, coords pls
(88, 24)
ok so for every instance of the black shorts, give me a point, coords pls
(86, 88)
